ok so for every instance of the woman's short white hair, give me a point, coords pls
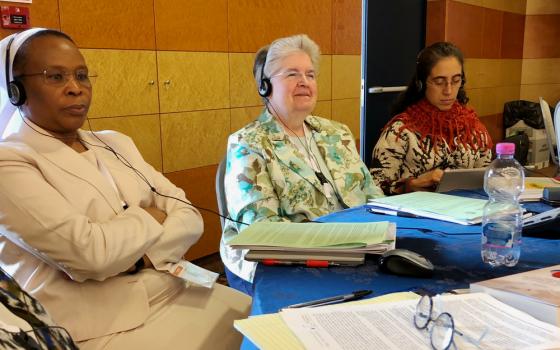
(272, 54)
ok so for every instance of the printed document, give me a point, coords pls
(269, 332)
(445, 207)
(390, 325)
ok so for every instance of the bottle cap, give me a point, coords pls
(505, 148)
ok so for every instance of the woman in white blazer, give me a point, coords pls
(82, 231)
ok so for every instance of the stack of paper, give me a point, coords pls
(534, 187)
(387, 323)
(370, 237)
(444, 207)
(535, 292)
(269, 332)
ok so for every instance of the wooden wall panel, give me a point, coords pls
(513, 33)
(492, 33)
(346, 76)
(255, 23)
(199, 187)
(435, 23)
(126, 83)
(109, 24)
(542, 7)
(192, 81)
(347, 111)
(515, 6)
(144, 131)
(194, 139)
(347, 27)
(193, 25)
(464, 27)
(541, 36)
(243, 116)
(243, 87)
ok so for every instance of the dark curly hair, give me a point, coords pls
(426, 60)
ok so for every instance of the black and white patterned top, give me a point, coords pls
(401, 153)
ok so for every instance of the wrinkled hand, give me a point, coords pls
(426, 181)
(157, 214)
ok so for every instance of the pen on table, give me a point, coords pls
(391, 212)
(308, 263)
(332, 300)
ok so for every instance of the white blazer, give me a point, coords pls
(57, 202)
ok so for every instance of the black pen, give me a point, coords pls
(391, 212)
(332, 300)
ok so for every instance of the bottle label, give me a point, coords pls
(496, 235)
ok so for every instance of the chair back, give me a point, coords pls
(220, 191)
(550, 132)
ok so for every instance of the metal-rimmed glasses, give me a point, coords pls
(60, 77)
(442, 82)
(443, 327)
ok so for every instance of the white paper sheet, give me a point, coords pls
(390, 325)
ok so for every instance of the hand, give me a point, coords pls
(146, 263)
(157, 214)
(426, 181)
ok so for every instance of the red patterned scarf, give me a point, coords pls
(458, 126)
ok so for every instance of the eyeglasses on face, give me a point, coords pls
(442, 82)
(60, 77)
(296, 76)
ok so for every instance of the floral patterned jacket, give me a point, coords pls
(268, 179)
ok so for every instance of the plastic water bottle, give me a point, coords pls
(502, 219)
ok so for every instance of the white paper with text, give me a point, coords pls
(390, 325)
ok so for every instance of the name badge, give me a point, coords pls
(192, 273)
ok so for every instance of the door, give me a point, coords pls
(393, 33)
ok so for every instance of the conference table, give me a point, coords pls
(453, 249)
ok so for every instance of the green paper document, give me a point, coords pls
(370, 237)
(444, 207)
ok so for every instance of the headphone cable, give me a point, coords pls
(310, 155)
(126, 163)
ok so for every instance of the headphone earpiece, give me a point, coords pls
(265, 87)
(16, 93)
(419, 85)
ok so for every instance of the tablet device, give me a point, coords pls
(541, 219)
(461, 179)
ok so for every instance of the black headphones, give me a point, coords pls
(15, 89)
(265, 87)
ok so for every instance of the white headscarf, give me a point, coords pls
(7, 109)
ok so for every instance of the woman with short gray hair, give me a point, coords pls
(288, 165)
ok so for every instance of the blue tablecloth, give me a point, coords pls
(453, 249)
